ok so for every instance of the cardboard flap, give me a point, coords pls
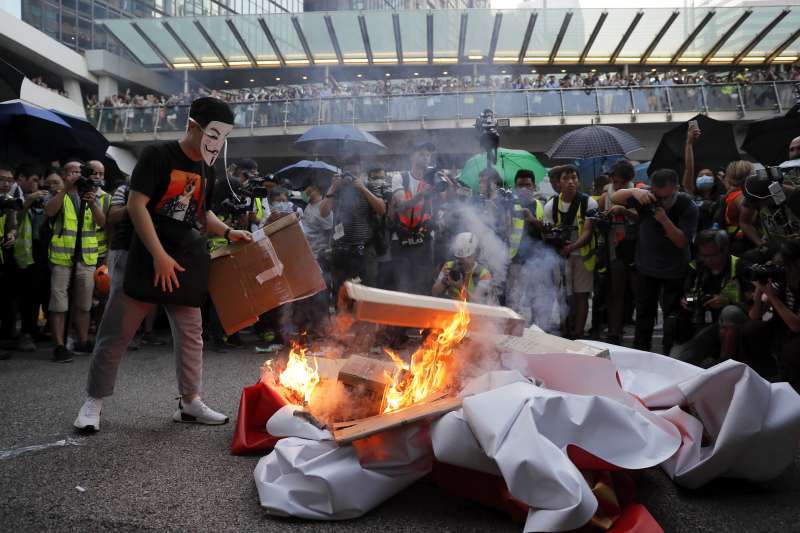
(262, 233)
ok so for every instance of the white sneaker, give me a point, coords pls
(89, 415)
(197, 412)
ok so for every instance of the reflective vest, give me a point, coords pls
(104, 201)
(480, 272)
(217, 242)
(588, 251)
(62, 245)
(518, 225)
(23, 248)
(730, 288)
(414, 223)
(259, 208)
(731, 225)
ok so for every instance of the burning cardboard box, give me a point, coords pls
(249, 279)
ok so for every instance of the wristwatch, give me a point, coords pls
(227, 234)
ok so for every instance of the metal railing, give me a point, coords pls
(741, 98)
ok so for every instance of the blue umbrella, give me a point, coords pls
(26, 128)
(338, 140)
(301, 173)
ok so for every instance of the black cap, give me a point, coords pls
(247, 164)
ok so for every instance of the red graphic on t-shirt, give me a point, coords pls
(182, 198)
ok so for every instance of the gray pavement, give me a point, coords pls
(145, 472)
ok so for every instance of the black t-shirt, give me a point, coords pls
(656, 255)
(172, 181)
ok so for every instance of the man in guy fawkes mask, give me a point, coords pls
(170, 181)
(668, 222)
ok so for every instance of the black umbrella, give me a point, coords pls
(768, 140)
(714, 149)
(26, 129)
(338, 141)
(593, 141)
(90, 142)
(10, 81)
(300, 174)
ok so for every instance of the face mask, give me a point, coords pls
(214, 135)
(704, 183)
(283, 207)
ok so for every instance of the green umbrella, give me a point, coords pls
(508, 163)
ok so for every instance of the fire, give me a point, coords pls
(432, 366)
(299, 376)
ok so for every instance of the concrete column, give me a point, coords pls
(73, 89)
(106, 86)
(185, 81)
(625, 69)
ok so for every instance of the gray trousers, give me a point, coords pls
(123, 316)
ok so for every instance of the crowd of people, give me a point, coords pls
(717, 251)
(143, 109)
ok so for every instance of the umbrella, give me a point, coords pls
(768, 140)
(10, 81)
(338, 140)
(715, 148)
(508, 163)
(593, 141)
(92, 144)
(29, 129)
(301, 173)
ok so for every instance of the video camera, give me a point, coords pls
(763, 272)
(487, 128)
(11, 204)
(256, 186)
(557, 236)
(435, 179)
(85, 183)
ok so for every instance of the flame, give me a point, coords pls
(432, 366)
(299, 376)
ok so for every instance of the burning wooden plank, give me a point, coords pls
(347, 432)
(416, 311)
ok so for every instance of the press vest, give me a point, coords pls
(62, 245)
(478, 272)
(23, 248)
(518, 225)
(730, 287)
(104, 201)
(588, 251)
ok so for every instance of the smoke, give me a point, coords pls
(494, 251)
(538, 293)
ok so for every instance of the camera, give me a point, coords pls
(557, 236)
(696, 302)
(435, 179)
(650, 209)
(256, 186)
(85, 183)
(13, 204)
(763, 272)
(487, 128)
(456, 273)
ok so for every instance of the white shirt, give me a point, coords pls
(413, 183)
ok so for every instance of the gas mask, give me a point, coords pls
(213, 142)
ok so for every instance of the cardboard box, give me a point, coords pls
(369, 378)
(249, 279)
(535, 341)
(416, 311)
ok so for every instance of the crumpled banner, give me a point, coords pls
(317, 479)
(733, 422)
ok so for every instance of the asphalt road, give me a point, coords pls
(145, 472)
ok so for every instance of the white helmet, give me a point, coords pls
(465, 245)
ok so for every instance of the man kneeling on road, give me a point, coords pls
(165, 183)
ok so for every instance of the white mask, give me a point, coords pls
(214, 136)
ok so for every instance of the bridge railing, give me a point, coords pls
(667, 99)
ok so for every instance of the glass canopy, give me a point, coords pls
(729, 35)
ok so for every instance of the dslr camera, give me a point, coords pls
(650, 209)
(557, 236)
(696, 302)
(85, 183)
(11, 204)
(763, 272)
(435, 179)
(456, 274)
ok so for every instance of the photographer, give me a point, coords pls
(30, 253)
(774, 325)
(464, 278)
(103, 199)
(353, 200)
(411, 213)
(774, 205)
(8, 269)
(712, 287)
(667, 224)
(62, 209)
(568, 211)
(621, 246)
(526, 226)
